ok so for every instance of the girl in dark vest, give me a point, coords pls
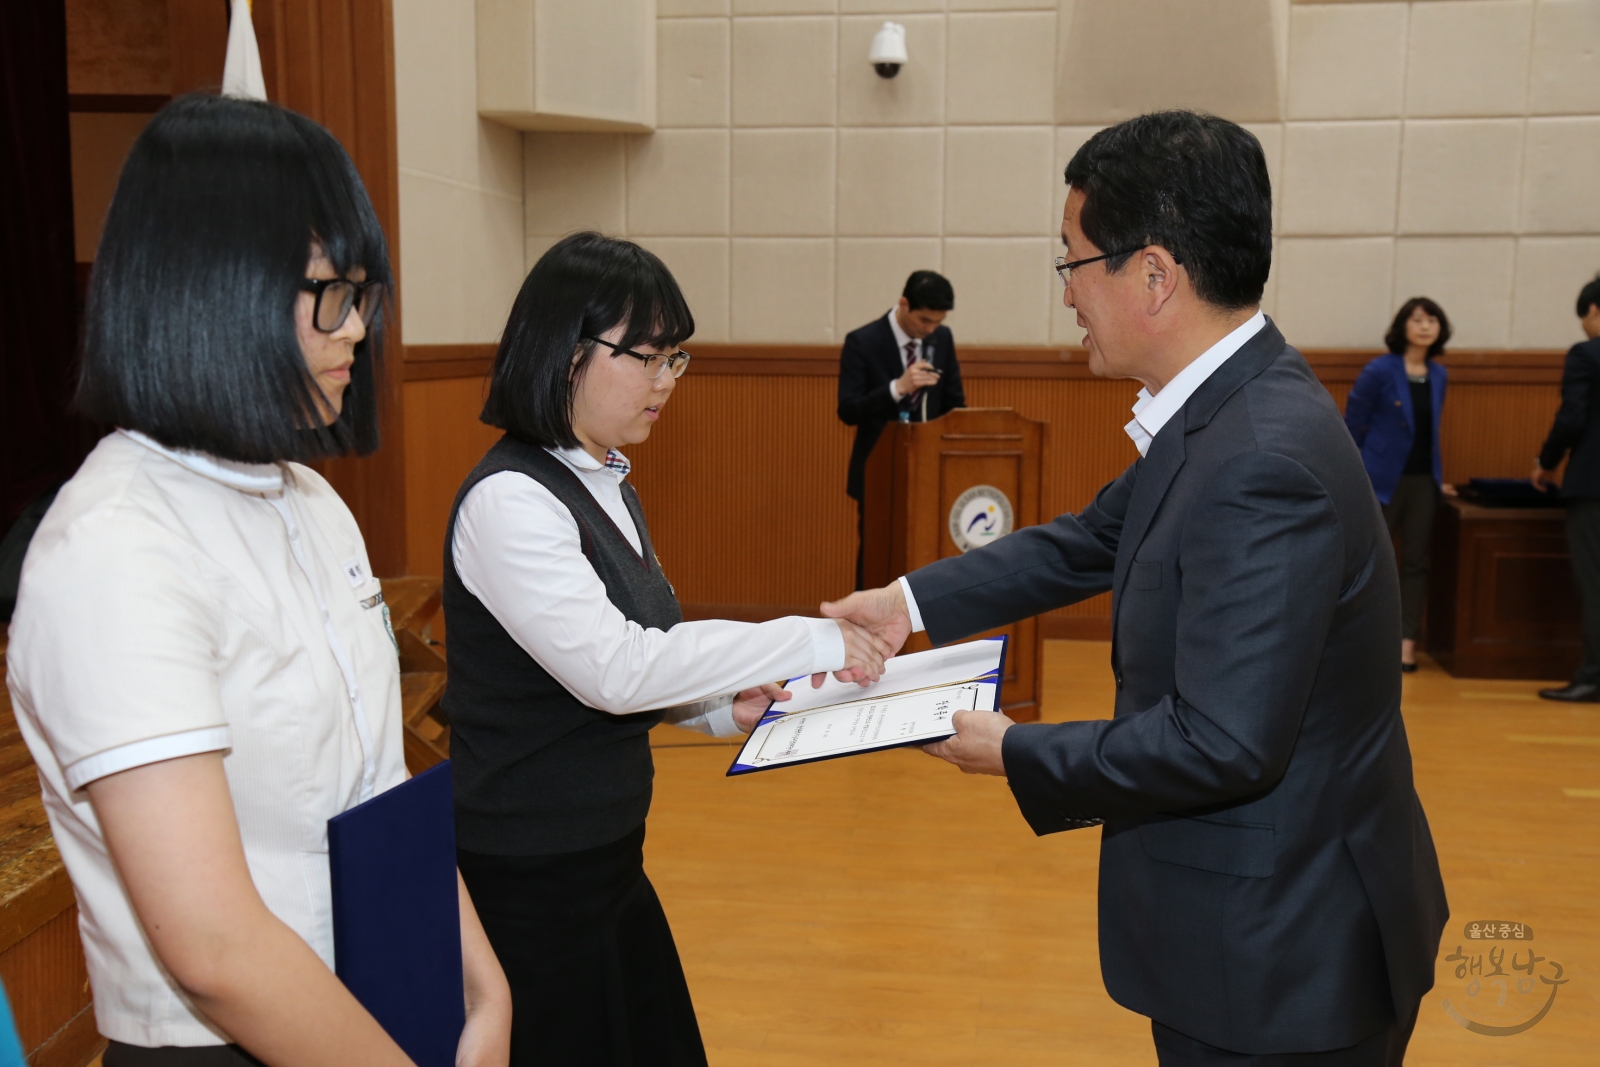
(566, 646)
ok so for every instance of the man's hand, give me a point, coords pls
(976, 746)
(1543, 480)
(881, 614)
(750, 705)
(864, 653)
(919, 375)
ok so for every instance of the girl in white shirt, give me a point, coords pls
(199, 658)
(566, 646)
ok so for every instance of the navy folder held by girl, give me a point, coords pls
(397, 916)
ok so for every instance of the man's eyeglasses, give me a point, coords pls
(1064, 269)
(655, 364)
(336, 296)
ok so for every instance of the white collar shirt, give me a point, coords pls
(604, 482)
(172, 604)
(517, 548)
(901, 339)
(1151, 413)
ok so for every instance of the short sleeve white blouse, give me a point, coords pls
(171, 604)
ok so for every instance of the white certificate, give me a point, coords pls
(913, 705)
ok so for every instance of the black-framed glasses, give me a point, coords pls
(654, 364)
(1064, 269)
(336, 296)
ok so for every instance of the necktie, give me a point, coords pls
(911, 357)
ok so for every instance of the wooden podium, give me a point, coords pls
(928, 483)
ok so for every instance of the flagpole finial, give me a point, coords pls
(241, 73)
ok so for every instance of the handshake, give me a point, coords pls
(875, 624)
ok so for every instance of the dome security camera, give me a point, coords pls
(888, 50)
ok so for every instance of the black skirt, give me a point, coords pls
(594, 973)
(119, 1055)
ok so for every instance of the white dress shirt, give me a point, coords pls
(1152, 412)
(901, 339)
(517, 549)
(173, 603)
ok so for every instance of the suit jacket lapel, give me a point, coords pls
(1251, 359)
(1167, 452)
(894, 360)
(1156, 470)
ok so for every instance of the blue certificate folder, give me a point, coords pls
(914, 703)
(397, 916)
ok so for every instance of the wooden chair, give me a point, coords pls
(413, 605)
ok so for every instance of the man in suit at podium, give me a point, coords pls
(902, 366)
(1269, 890)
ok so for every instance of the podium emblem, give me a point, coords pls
(980, 515)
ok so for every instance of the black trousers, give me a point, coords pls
(594, 973)
(1583, 539)
(119, 1055)
(1386, 1048)
(1409, 513)
(861, 542)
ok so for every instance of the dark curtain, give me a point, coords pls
(41, 442)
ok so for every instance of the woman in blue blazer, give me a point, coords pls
(1393, 413)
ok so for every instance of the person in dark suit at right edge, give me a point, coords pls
(1269, 890)
(900, 366)
(1577, 428)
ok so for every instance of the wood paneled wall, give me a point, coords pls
(41, 960)
(444, 441)
(49, 984)
(743, 478)
(333, 60)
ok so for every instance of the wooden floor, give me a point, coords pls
(888, 910)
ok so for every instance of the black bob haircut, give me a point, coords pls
(585, 285)
(929, 290)
(1192, 183)
(1589, 296)
(1395, 339)
(189, 333)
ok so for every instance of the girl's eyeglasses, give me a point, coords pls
(653, 365)
(336, 296)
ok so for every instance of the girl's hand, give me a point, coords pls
(750, 705)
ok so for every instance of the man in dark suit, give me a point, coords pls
(1268, 883)
(1578, 430)
(902, 366)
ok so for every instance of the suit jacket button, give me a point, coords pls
(1119, 680)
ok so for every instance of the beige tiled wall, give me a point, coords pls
(1440, 147)
(1445, 147)
(461, 183)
